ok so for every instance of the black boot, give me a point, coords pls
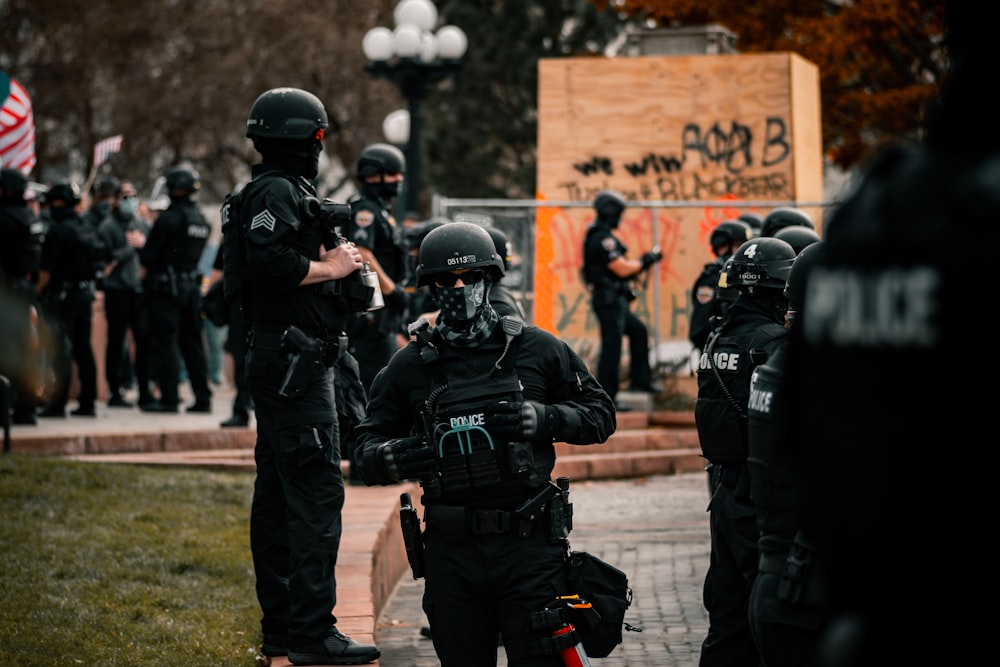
(336, 649)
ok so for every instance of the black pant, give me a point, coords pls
(178, 333)
(121, 309)
(617, 321)
(732, 569)
(295, 516)
(371, 345)
(71, 320)
(477, 586)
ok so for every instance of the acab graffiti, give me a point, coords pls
(694, 174)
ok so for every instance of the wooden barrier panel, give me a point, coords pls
(705, 128)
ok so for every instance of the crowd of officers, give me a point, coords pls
(60, 250)
(806, 564)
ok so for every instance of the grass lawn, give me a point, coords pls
(107, 564)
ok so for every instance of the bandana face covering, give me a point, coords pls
(466, 319)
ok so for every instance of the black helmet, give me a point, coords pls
(761, 262)
(753, 220)
(783, 217)
(416, 234)
(797, 236)
(13, 182)
(107, 187)
(502, 245)
(180, 178)
(609, 203)
(730, 231)
(457, 245)
(795, 288)
(68, 192)
(381, 159)
(287, 113)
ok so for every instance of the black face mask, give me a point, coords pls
(301, 157)
(609, 220)
(388, 190)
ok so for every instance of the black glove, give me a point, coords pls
(512, 421)
(651, 257)
(407, 458)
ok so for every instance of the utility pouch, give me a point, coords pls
(307, 362)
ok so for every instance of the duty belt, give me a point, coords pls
(272, 338)
(479, 521)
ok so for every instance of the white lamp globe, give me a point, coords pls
(421, 13)
(406, 40)
(452, 42)
(377, 44)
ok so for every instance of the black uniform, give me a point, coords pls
(73, 255)
(704, 304)
(610, 298)
(373, 335)
(237, 331)
(20, 257)
(721, 417)
(173, 288)
(788, 603)
(295, 522)
(481, 576)
(122, 293)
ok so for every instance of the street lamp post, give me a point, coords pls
(415, 59)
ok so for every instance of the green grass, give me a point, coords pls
(104, 565)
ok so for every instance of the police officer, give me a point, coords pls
(293, 270)
(785, 216)
(609, 274)
(72, 257)
(471, 408)
(380, 171)
(752, 328)
(788, 604)
(725, 239)
(170, 261)
(20, 255)
(890, 369)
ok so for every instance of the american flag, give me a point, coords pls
(105, 147)
(17, 126)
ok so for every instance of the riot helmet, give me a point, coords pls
(763, 262)
(287, 113)
(62, 199)
(67, 192)
(795, 287)
(380, 159)
(609, 203)
(14, 185)
(753, 220)
(107, 187)
(416, 234)
(729, 232)
(182, 178)
(798, 237)
(785, 216)
(287, 126)
(457, 245)
(502, 245)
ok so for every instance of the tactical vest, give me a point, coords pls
(469, 457)
(724, 372)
